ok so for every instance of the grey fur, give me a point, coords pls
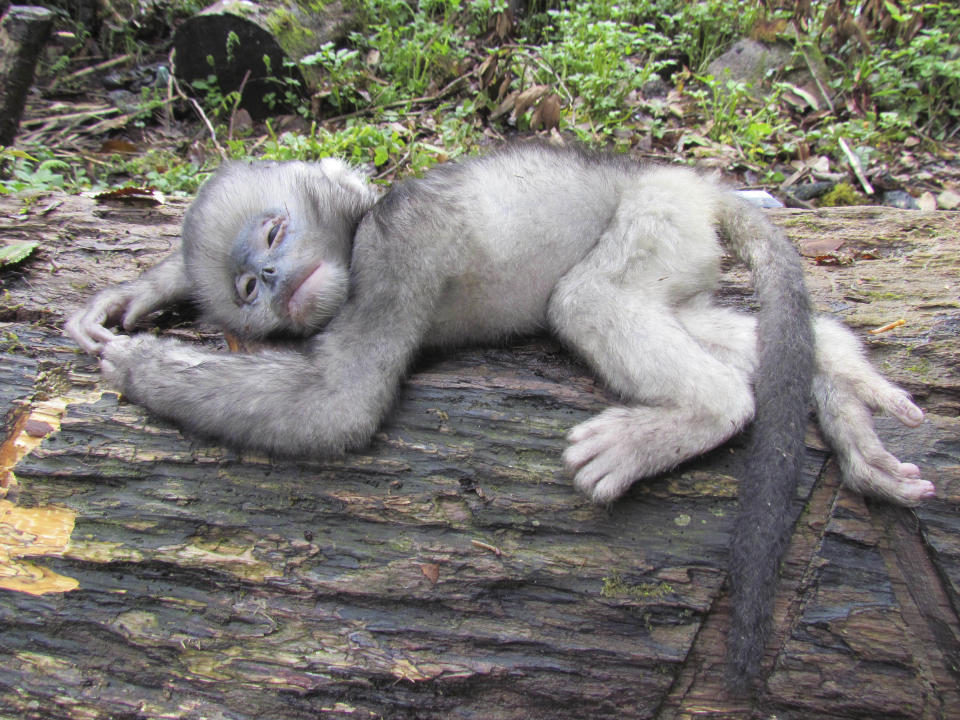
(617, 259)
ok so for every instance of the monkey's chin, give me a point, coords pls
(318, 297)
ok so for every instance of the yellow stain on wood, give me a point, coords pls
(33, 531)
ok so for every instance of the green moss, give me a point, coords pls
(842, 194)
(921, 368)
(51, 382)
(884, 295)
(616, 586)
(294, 37)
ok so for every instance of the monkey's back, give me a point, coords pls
(510, 224)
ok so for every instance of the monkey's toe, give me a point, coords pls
(601, 457)
(905, 411)
(883, 475)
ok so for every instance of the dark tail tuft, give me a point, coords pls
(785, 347)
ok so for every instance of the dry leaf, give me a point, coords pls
(528, 97)
(133, 194)
(820, 246)
(431, 571)
(547, 114)
(123, 147)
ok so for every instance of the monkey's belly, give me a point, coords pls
(473, 309)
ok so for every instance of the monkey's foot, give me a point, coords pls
(883, 475)
(611, 451)
(866, 465)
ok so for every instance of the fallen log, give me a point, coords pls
(449, 570)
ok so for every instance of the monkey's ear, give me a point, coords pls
(349, 178)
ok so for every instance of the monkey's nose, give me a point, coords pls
(269, 275)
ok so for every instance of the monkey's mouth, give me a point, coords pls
(316, 297)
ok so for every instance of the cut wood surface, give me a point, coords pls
(450, 570)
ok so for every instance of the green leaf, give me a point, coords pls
(11, 254)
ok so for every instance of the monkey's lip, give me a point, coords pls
(301, 303)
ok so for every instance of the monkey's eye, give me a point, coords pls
(247, 287)
(273, 233)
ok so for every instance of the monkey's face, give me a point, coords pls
(267, 245)
(284, 276)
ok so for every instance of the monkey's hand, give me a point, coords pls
(127, 304)
(123, 305)
(126, 361)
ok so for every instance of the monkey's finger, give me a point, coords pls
(138, 309)
(89, 336)
(101, 335)
(881, 396)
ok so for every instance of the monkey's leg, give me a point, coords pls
(847, 390)
(693, 401)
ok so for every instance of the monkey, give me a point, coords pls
(617, 259)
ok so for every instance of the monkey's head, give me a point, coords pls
(267, 245)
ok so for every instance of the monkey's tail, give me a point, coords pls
(785, 350)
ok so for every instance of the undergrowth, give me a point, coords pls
(425, 81)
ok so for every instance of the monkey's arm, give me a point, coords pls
(319, 402)
(126, 304)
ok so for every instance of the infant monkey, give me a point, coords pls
(617, 259)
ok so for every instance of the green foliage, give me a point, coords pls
(599, 53)
(216, 103)
(161, 170)
(345, 79)
(919, 80)
(732, 115)
(287, 90)
(599, 62)
(896, 80)
(358, 143)
(39, 174)
(418, 46)
(15, 252)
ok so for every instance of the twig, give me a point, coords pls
(99, 66)
(888, 326)
(203, 116)
(236, 105)
(492, 548)
(447, 89)
(168, 107)
(855, 165)
(95, 113)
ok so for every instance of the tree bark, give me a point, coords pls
(449, 570)
(23, 33)
(260, 41)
